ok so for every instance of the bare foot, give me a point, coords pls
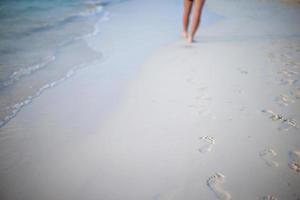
(185, 34)
(190, 39)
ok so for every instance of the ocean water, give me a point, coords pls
(42, 44)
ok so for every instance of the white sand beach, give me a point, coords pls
(217, 119)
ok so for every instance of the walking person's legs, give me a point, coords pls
(186, 16)
(196, 6)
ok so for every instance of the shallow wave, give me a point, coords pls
(17, 75)
(16, 108)
(9, 110)
(96, 31)
(14, 87)
(60, 22)
(91, 12)
(26, 71)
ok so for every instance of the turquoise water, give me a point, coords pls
(32, 30)
(35, 38)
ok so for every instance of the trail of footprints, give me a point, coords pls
(289, 78)
(290, 73)
(269, 156)
(206, 144)
(215, 181)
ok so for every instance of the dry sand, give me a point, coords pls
(196, 111)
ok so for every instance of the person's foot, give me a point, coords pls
(185, 34)
(190, 39)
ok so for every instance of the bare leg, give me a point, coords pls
(198, 5)
(186, 16)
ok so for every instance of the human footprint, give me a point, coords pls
(294, 161)
(296, 93)
(288, 73)
(286, 123)
(284, 100)
(214, 183)
(268, 156)
(288, 82)
(207, 143)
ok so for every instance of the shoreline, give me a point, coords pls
(92, 47)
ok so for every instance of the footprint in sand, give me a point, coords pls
(286, 123)
(274, 116)
(269, 197)
(206, 144)
(294, 161)
(296, 93)
(293, 64)
(214, 183)
(268, 156)
(288, 73)
(289, 82)
(284, 100)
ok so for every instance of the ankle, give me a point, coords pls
(185, 34)
(190, 38)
